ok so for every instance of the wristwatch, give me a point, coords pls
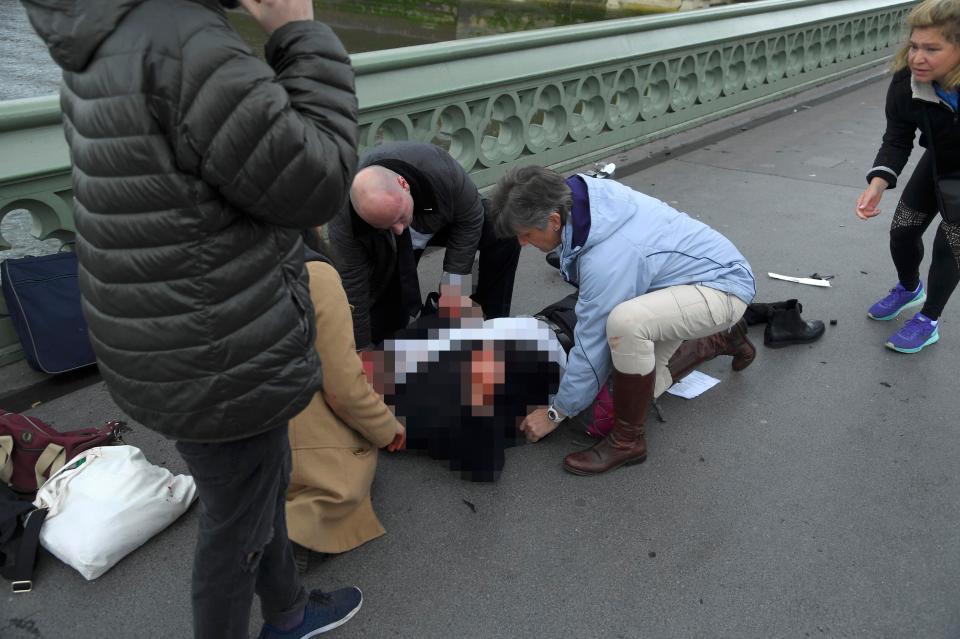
(554, 416)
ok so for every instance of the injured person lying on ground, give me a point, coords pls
(462, 390)
(461, 384)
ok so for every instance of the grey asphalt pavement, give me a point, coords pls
(812, 495)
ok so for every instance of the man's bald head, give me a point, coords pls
(382, 198)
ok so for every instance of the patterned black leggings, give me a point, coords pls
(915, 212)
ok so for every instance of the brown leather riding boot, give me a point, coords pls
(693, 352)
(625, 444)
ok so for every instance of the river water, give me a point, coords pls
(366, 25)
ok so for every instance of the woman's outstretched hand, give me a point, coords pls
(870, 198)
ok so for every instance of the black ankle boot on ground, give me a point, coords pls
(760, 313)
(785, 327)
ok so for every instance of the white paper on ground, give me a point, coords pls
(692, 385)
(800, 280)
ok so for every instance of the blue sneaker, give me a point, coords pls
(918, 332)
(896, 301)
(325, 611)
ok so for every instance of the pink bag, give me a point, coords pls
(602, 414)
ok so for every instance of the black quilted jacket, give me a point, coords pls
(906, 102)
(195, 167)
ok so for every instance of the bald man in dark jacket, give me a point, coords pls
(196, 166)
(407, 196)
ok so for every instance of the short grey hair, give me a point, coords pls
(525, 198)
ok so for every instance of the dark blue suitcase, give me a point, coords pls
(43, 299)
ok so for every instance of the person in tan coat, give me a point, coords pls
(334, 441)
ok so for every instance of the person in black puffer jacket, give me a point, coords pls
(196, 166)
(922, 95)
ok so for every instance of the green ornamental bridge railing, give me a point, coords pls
(559, 97)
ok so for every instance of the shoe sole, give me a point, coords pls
(911, 304)
(791, 342)
(933, 340)
(335, 624)
(582, 473)
(742, 360)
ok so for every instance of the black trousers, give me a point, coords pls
(242, 544)
(915, 211)
(494, 291)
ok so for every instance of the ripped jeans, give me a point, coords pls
(242, 544)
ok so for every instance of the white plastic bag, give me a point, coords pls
(106, 502)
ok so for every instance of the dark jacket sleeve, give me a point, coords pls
(354, 267)
(898, 137)
(461, 197)
(278, 143)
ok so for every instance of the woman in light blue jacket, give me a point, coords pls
(652, 280)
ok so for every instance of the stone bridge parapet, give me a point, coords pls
(559, 97)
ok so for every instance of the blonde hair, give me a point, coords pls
(938, 14)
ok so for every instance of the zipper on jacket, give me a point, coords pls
(954, 112)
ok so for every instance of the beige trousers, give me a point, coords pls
(644, 332)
